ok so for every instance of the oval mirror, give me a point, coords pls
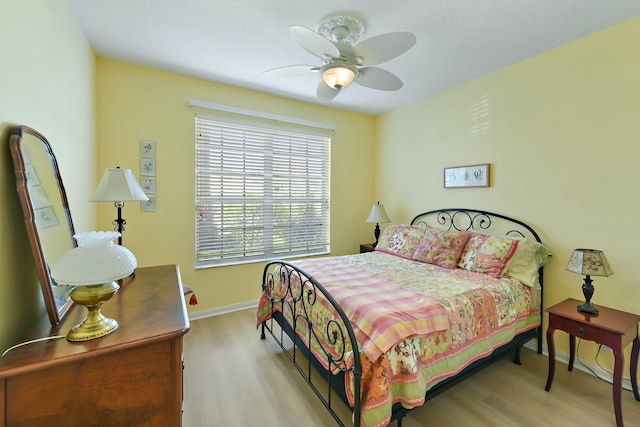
(46, 212)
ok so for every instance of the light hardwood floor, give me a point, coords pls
(232, 378)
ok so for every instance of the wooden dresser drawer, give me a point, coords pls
(585, 332)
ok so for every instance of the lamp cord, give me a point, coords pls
(55, 337)
(595, 374)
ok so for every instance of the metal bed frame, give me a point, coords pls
(341, 333)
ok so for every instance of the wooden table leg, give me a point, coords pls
(617, 383)
(572, 351)
(635, 350)
(552, 357)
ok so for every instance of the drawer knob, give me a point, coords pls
(581, 330)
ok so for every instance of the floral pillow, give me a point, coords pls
(488, 254)
(401, 240)
(441, 247)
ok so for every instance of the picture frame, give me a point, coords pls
(45, 217)
(148, 167)
(467, 176)
(32, 176)
(148, 205)
(148, 184)
(147, 148)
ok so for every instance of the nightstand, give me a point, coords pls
(367, 247)
(613, 328)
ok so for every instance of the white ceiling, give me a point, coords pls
(233, 42)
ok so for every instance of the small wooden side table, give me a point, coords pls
(613, 328)
(366, 247)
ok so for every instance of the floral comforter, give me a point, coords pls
(481, 313)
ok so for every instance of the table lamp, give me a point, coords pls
(590, 262)
(377, 216)
(118, 186)
(92, 269)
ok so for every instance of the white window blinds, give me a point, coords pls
(262, 192)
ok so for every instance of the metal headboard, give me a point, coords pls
(475, 220)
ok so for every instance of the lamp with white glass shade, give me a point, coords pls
(92, 269)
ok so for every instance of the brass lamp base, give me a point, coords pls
(95, 325)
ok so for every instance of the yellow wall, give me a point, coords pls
(137, 103)
(47, 82)
(560, 131)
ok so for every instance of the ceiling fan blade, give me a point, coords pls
(314, 43)
(377, 78)
(326, 93)
(291, 70)
(382, 48)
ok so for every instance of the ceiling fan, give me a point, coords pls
(343, 59)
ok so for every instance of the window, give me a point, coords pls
(262, 192)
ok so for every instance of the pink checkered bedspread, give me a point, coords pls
(382, 312)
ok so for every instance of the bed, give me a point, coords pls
(438, 299)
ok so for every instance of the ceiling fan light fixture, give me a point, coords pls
(339, 76)
(345, 61)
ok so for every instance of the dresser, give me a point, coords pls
(131, 377)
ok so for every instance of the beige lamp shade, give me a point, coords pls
(118, 185)
(589, 262)
(378, 214)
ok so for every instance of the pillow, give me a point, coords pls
(488, 254)
(401, 240)
(441, 247)
(528, 258)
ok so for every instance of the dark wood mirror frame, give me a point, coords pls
(37, 177)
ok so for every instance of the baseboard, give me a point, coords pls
(594, 370)
(202, 314)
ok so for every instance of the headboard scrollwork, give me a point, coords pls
(475, 220)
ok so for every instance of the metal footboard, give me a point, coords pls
(337, 347)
